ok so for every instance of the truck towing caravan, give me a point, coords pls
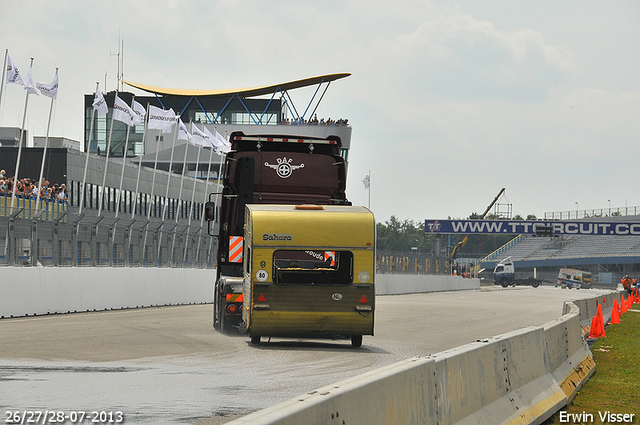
(267, 169)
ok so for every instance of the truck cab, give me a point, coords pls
(504, 272)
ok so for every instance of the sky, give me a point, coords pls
(449, 101)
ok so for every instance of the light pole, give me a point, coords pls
(576, 210)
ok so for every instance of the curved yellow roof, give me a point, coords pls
(248, 92)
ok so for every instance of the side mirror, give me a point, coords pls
(210, 211)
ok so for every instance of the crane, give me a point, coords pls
(462, 243)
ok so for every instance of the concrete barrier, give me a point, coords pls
(499, 380)
(567, 355)
(395, 284)
(395, 394)
(47, 290)
(521, 377)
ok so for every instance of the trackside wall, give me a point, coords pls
(47, 290)
(521, 377)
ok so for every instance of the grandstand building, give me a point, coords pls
(608, 258)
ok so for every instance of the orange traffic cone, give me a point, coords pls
(592, 332)
(623, 305)
(615, 313)
(597, 325)
(630, 302)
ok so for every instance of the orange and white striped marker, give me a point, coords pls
(235, 249)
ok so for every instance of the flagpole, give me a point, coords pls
(86, 162)
(193, 196)
(219, 167)
(153, 183)
(195, 179)
(4, 72)
(44, 152)
(180, 209)
(124, 159)
(24, 117)
(184, 165)
(206, 184)
(369, 206)
(135, 204)
(206, 188)
(106, 165)
(166, 196)
(155, 168)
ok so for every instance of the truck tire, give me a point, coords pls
(535, 283)
(504, 282)
(356, 341)
(226, 324)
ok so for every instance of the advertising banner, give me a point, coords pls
(541, 228)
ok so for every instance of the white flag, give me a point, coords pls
(139, 112)
(200, 138)
(99, 104)
(28, 84)
(49, 90)
(366, 181)
(122, 112)
(219, 147)
(183, 133)
(161, 120)
(223, 141)
(13, 75)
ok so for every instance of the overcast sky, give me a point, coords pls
(449, 100)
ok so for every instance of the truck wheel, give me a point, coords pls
(504, 282)
(535, 283)
(226, 325)
(255, 340)
(356, 341)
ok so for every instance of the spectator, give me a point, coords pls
(626, 284)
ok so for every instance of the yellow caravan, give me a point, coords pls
(309, 272)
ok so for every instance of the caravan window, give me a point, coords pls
(313, 267)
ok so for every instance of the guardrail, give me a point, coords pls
(29, 208)
(103, 242)
(521, 377)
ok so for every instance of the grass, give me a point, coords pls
(615, 386)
